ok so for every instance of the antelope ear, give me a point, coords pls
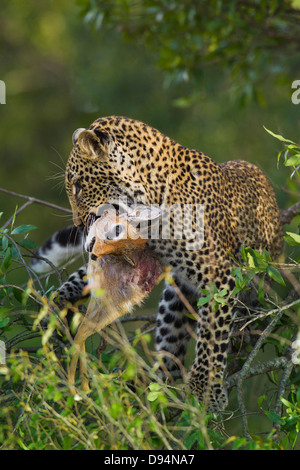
(92, 144)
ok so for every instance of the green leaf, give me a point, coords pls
(152, 396)
(239, 442)
(190, 315)
(67, 443)
(266, 255)
(154, 386)
(222, 293)
(4, 311)
(18, 294)
(293, 161)
(203, 301)
(4, 243)
(23, 229)
(30, 244)
(243, 253)
(261, 291)
(7, 259)
(298, 395)
(155, 391)
(194, 437)
(70, 401)
(275, 275)
(250, 260)
(4, 322)
(256, 259)
(287, 403)
(261, 399)
(278, 136)
(219, 297)
(292, 239)
(275, 418)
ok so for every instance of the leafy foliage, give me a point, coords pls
(53, 87)
(290, 153)
(251, 40)
(129, 406)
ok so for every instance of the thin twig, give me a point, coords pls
(271, 312)
(26, 204)
(147, 318)
(52, 266)
(287, 369)
(28, 269)
(258, 369)
(4, 286)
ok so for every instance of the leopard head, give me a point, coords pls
(110, 161)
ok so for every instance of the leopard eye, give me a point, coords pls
(76, 189)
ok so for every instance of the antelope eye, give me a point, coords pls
(76, 189)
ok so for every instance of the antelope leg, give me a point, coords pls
(72, 370)
(95, 320)
(83, 370)
(85, 330)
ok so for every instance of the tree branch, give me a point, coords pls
(246, 367)
(26, 204)
(258, 369)
(37, 201)
(287, 215)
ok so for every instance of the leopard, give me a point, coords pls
(120, 158)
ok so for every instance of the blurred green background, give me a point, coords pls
(61, 75)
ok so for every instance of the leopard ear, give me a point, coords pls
(76, 134)
(93, 144)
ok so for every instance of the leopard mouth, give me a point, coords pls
(93, 215)
(90, 218)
